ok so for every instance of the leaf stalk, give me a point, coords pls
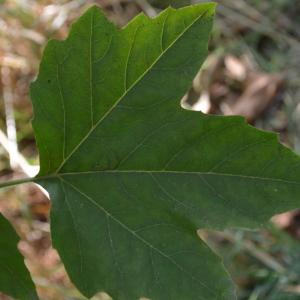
(15, 182)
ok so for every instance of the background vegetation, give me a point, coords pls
(252, 69)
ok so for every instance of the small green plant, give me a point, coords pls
(132, 175)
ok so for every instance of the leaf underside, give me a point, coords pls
(15, 280)
(132, 175)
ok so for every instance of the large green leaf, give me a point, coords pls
(132, 175)
(14, 277)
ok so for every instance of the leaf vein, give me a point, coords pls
(75, 230)
(172, 261)
(125, 93)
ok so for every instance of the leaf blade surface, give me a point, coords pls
(15, 280)
(132, 176)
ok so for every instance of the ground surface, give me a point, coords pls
(252, 69)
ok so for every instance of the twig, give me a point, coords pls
(263, 26)
(9, 115)
(14, 61)
(35, 36)
(146, 7)
(293, 289)
(250, 247)
(21, 162)
(19, 159)
(59, 13)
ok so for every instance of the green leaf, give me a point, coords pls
(15, 280)
(132, 176)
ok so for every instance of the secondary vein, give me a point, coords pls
(126, 93)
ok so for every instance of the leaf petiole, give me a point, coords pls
(15, 182)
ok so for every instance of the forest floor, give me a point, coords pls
(252, 70)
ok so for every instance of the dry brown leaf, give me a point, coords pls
(257, 97)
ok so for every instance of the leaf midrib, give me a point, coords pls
(127, 91)
(250, 177)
